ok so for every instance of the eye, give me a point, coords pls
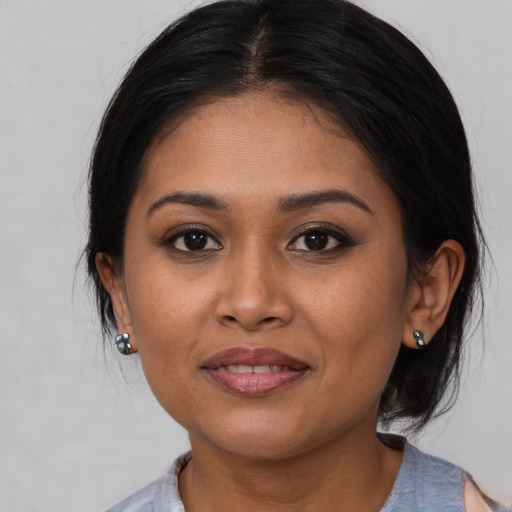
(317, 239)
(193, 240)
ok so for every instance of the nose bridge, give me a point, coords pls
(253, 296)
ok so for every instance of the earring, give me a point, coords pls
(419, 336)
(123, 344)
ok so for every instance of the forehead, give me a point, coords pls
(258, 144)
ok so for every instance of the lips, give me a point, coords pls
(253, 372)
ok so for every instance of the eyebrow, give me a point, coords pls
(301, 201)
(193, 199)
(289, 203)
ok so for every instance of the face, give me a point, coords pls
(265, 278)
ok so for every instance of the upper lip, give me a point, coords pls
(253, 357)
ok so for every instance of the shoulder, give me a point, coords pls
(445, 479)
(159, 496)
(144, 500)
(430, 484)
(476, 501)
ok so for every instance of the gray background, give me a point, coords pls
(75, 435)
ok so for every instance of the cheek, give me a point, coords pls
(163, 300)
(359, 319)
(158, 315)
(366, 295)
(166, 331)
(171, 315)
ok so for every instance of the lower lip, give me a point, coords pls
(254, 384)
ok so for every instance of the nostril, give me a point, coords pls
(264, 321)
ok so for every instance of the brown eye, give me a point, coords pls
(320, 240)
(316, 240)
(194, 241)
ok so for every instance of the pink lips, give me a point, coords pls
(253, 372)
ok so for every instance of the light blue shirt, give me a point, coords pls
(423, 484)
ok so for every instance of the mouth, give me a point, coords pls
(253, 372)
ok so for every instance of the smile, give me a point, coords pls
(261, 368)
(253, 372)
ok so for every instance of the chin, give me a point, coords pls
(261, 438)
(261, 449)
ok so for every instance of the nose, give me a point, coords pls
(254, 295)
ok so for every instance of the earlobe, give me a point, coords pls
(112, 279)
(431, 294)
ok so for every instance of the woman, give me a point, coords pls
(293, 251)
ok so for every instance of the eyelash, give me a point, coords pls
(192, 230)
(342, 240)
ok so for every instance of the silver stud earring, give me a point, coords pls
(123, 344)
(419, 336)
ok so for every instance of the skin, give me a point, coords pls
(343, 310)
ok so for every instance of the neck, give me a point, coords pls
(355, 472)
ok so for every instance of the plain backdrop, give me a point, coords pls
(79, 429)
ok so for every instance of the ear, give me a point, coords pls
(112, 279)
(431, 293)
